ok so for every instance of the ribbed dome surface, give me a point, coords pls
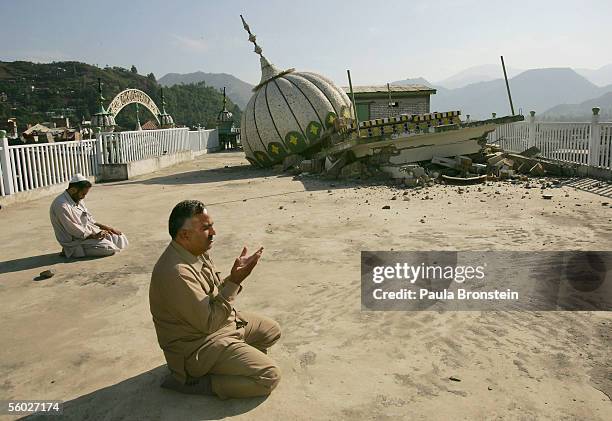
(288, 114)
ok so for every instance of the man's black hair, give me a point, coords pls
(182, 212)
(80, 185)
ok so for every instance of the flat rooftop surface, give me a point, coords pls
(86, 336)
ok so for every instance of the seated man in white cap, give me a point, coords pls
(75, 228)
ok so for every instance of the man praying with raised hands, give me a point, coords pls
(210, 347)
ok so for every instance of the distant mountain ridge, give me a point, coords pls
(475, 74)
(414, 81)
(600, 77)
(582, 111)
(536, 89)
(237, 90)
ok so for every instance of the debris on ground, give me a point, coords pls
(46, 274)
(388, 163)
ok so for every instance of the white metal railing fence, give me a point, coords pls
(124, 147)
(513, 136)
(577, 143)
(28, 167)
(567, 142)
(3, 191)
(605, 146)
(203, 141)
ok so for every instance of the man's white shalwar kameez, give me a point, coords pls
(72, 224)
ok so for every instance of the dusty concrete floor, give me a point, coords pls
(86, 336)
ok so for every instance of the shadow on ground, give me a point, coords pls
(598, 187)
(33, 262)
(141, 398)
(213, 175)
(244, 172)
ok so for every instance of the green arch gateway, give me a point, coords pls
(304, 114)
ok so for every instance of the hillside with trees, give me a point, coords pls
(35, 93)
(239, 91)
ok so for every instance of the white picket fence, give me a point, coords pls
(576, 143)
(29, 167)
(124, 147)
(203, 141)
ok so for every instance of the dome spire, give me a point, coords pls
(101, 97)
(268, 70)
(138, 126)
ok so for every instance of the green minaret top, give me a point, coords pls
(103, 118)
(165, 119)
(138, 126)
(100, 98)
(163, 101)
(224, 115)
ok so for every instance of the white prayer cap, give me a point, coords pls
(77, 178)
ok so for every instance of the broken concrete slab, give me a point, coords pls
(445, 162)
(354, 170)
(415, 169)
(463, 162)
(504, 163)
(333, 168)
(292, 161)
(306, 165)
(537, 170)
(531, 152)
(495, 158)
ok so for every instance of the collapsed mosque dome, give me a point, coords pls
(289, 113)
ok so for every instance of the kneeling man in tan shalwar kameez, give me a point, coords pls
(210, 347)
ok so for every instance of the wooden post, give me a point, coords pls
(348, 72)
(507, 85)
(5, 162)
(594, 139)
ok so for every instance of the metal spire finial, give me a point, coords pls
(252, 37)
(138, 126)
(268, 70)
(163, 101)
(101, 97)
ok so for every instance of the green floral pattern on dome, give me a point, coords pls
(276, 151)
(313, 131)
(295, 142)
(262, 159)
(253, 162)
(330, 119)
(345, 112)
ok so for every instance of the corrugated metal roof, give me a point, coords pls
(392, 88)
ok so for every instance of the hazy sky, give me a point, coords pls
(380, 41)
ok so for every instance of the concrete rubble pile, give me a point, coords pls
(490, 164)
